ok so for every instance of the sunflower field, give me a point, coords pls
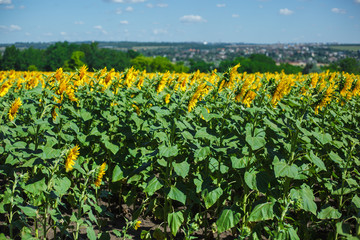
(201, 155)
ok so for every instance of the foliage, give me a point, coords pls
(270, 155)
(258, 63)
(350, 65)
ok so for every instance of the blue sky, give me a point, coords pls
(250, 21)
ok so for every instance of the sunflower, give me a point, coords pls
(14, 109)
(100, 175)
(71, 158)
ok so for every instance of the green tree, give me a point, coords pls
(310, 68)
(290, 69)
(180, 67)
(57, 54)
(34, 57)
(132, 54)
(161, 64)
(349, 65)
(141, 63)
(224, 65)
(11, 59)
(32, 68)
(201, 65)
(111, 59)
(90, 51)
(75, 62)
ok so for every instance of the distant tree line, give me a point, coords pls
(71, 56)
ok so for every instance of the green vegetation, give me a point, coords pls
(257, 156)
(355, 47)
(71, 56)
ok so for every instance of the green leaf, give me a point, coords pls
(322, 138)
(336, 158)
(3, 237)
(117, 233)
(36, 186)
(329, 213)
(306, 198)
(90, 233)
(175, 220)
(356, 201)
(92, 216)
(29, 211)
(85, 115)
(61, 185)
(239, 163)
(165, 151)
(292, 234)
(262, 212)
(211, 197)
(153, 185)
(202, 133)
(343, 229)
(282, 169)
(250, 179)
(50, 152)
(228, 219)
(317, 161)
(182, 169)
(202, 152)
(176, 194)
(11, 160)
(255, 142)
(117, 174)
(187, 135)
(112, 147)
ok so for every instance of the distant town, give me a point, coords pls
(297, 54)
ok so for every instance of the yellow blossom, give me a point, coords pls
(137, 225)
(100, 175)
(14, 109)
(71, 158)
(167, 98)
(163, 82)
(5, 88)
(137, 109)
(54, 113)
(59, 74)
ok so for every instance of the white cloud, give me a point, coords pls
(79, 22)
(5, 1)
(100, 28)
(10, 28)
(9, 7)
(192, 19)
(338, 10)
(357, 1)
(15, 28)
(221, 5)
(129, 9)
(118, 11)
(285, 11)
(235, 15)
(124, 22)
(149, 5)
(63, 33)
(21, 6)
(159, 31)
(162, 5)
